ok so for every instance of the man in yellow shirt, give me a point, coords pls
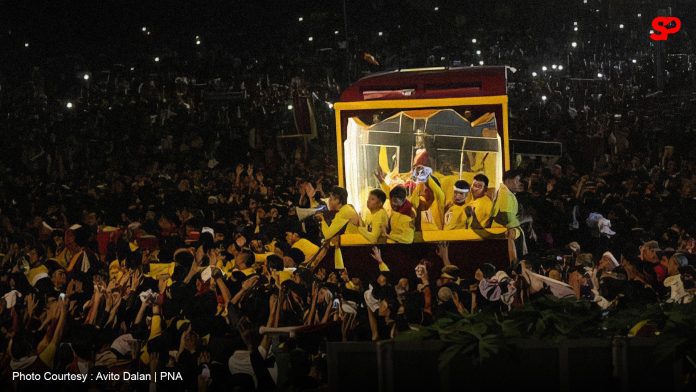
(346, 216)
(456, 217)
(401, 228)
(376, 220)
(294, 237)
(479, 202)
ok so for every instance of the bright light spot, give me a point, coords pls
(652, 31)
(473, 40)
(560, 68)
(534, 74)
(640, 15)
(442, 58)
(198, 37)
(478, 52)
(148, 33)
(544, 68)
(584, 1)
(621, 26)
(310, 39)
(132, 68)
(300, 19)
(336, 32)
(330, 105)
(599, 74)
(69, 105)
(481, 62)
(85, 77)
(634, 61)
(289, 107)
(380, 33)
(157, 59)
(554, 66)
(26, 44)
(574, 44)
(543, 97)
(597, 10)
(144, 29)
(198, 42)
(575, 29)
(575, 23)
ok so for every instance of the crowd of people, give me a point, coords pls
(148, 213)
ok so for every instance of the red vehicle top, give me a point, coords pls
(426, 83)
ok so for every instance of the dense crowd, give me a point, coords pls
(148, 213)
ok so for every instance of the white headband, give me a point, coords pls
(461, 190)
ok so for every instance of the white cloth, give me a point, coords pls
(11, 298)
(370, 301)
(612, 258)
(122, 344)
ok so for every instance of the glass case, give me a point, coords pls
(458, 146)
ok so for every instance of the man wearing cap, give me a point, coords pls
(455, 217)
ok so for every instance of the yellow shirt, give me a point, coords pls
(402, 228)
(482, 209)
(373, 224)
(506, 208)
(455, 217)
(308, 248)
(345, 217)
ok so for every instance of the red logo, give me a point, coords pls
(663, 25)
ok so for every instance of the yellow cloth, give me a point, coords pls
(308, 248)
(248, 271)
(402, 228)
(48, 354)
(155, 331)
(63, 257)
(261, 257)
(383, 266)
(36, 273)
(346, 215)
(431, 219)
(447, 185)
(455, 217)
(373, 224)
(133, 246)
(157, 269)
(115, 270)
(338, 259)
(283, 276)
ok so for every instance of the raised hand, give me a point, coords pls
(309, 188)
(442, 250)
(379, 175)
(376, 254)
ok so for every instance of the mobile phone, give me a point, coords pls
(336, 302)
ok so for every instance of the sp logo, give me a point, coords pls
(664, 26)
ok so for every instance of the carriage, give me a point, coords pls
(460, 117)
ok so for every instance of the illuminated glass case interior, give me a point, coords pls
(458, 143)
